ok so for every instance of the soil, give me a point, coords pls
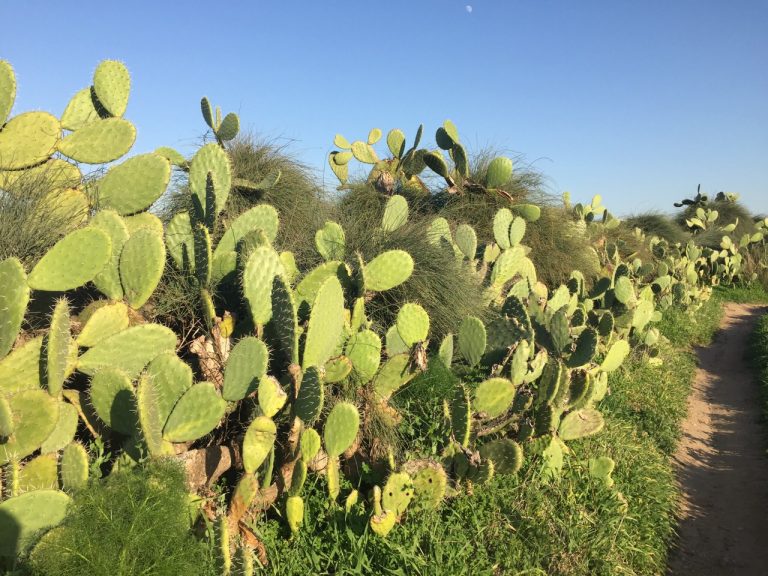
(721, 461)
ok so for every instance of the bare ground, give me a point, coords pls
(721, 461)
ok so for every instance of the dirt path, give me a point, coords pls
(721, 461)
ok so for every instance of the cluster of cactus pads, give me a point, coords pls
(271, 376)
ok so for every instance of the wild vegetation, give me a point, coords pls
(437, 365)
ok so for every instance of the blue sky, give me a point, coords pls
(637, 101)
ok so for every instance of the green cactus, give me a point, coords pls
(284, 319)
(412, 323)
(494, 396)
(74, 260)
(260, 270)
(580, 423)
(258, 442)
(246, 365)
(196, 413)
(394, 342)
(141, 266)
(130, 350)
(103, 322)
(20, 370)
(330, 241)
(395, 213)
(460, 410)
(262, 217)
(364, 350)
(445, 352)
(506, 455)
(73, 467)
(211, 160)
(340, 429)
(180, 242)
(35, 414)
(294, 512)
(112, 86)
(28, 515)
(99, 142)
(499, 172)
(397, 493)
(337, 369)
(584, 353)
(310, 397)
(430, 484)
(326, 323)
(382, 520)
(392, 376)
(14, 296)
(135, 184)
(388, 270)
(309, 444)
(530, 212)
(108, 279)
(39, 474)
(507, 265)
(113, 400)
(549, 383)
(6, 418)
(615, 356)
(466, 240)
(601, 469)
(28, 139)
(472, 340)
(271, 396)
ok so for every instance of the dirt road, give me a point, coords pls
(721, 461)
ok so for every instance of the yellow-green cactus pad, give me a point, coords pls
(27, 516)
(388, 270)
(212, 159)
(14, 296)
(112, 86)
(330, 241)
(180, 241)
(7, 90)
(615, 356)
(395, 213)
(494, 396)
(412, 323)
(171, 378)
(580, 423)
(141, 265)
(99, 142)
(259, 440)
(28, 139)
(294, 512)
(79, 111)
(74, 260)
(309, 445)
(499, 172)
(40, 473)
(106, 321)
(196, 413)
(506, 455)
(393, 374)
(310, 397)
(246, 365)
(113, 400)
(326, 323)
(271, 395)
(35, 414)
(260, 270)
(364, 350)
(262, 217)
(397, 493)
(108, 280)
(341, 428)
(135, 184)
(130, 350)
(64, 432)
(54, 175)
(73, 467)
(57, 348)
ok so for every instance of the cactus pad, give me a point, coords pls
(397, 493)
(499, 172)
(64, 432)
(272, 397)
(395, 142)
(461, 415)
(79, 111)
(262, 217)
(171, 377)
(113, 400)
(364, 350)
(141, 266)
(99, 142)
(73, 261)
(412, 323)
(210, 159)
(20, 370)
(258, 442)
(580, 423)
(393, 374)
(27, 515)
(262, 267)
(309, 444)
(39, 474)
(284, 319)
(445, 352)
(14, 296)
(35, 414)
(388, 270)
(246, 364)
(310, 397)
(586, 345)
(6, 418)
(326, 323)
(28, 139)
(112, 86)
(340, 428)
(472, 340)
(615, 356)
(429, 485)
(180, 242)
(337, 369)
(130, 350)
(494, 396)
(108, 279)
(330, 241)
(506, 454)
(196, 413)
(57, 351)
(601, 469)
(294, 512)
(104, 322)
(7, 90)
(395, 213)
(73, 467)
(466, 240)
(135, 184)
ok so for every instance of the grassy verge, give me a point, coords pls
(527, 524)
(758, 356)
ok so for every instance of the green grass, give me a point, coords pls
(758, 355)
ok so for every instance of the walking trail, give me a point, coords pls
(721, 461)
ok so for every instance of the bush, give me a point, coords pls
(134, 522)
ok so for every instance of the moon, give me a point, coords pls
(468, 8)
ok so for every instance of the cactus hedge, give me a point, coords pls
(290, 369)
